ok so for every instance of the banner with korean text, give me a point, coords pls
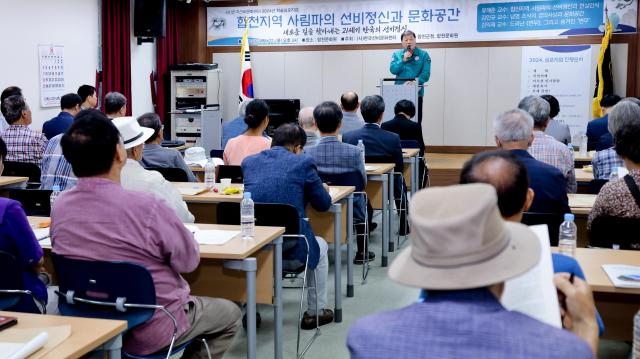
(381, 22)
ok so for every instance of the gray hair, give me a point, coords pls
(622, 114)
(513, 125)
(632, 99)
(242, 108)
(305, 117)
(537, 107)
(114, 102)
(14, 106)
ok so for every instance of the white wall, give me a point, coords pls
(143, 62)
(27, 24)
(467, 89)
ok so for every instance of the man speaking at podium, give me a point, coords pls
(411, 63)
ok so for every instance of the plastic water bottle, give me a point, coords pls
(55, 191)
(636, 336)
(567, 238)
(247, 220)
(361, 146)
(209, 174)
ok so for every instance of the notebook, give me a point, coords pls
(191, 191)
(214, 236)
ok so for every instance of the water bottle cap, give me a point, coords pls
(359, 141)
(569, 217)
(55, 188)
(246, 195)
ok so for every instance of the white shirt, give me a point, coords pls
(135, 178)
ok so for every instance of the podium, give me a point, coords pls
(392, 93)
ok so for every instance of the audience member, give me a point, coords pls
(135, 178)
(139, 228)
(18, 240)
(462, 252)
(334, 157)
(23, 143)
(509, 177)
(154, 155)
(402, 124)
(88, 96)
(350, 118)
(237, 126)
(9, 91)
(308, 124)
(251, 141)
(607, 161)
(115, 105)
(546, 148)
(55, 170)
(556, 129)
(618, 198)
(284, 174)
(598, 127)
(379, 143)
(514, 132)
(70, 106)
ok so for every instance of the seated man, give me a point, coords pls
(334, 157)
(135, 178)
(155, 155)
(462, 252)
(556, 129)
(99, 220)
(509, 177)
(235, 127)
(9, 91)
(23, 143)
(378, 142)
(545, 148)
(115, 105)
(283, 174)
(88, 96)
(514, 132)
(308, 124)
(70, 106)
(350, 118)
(598, 127)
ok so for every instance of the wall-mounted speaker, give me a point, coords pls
(149, 18)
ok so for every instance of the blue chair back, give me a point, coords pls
(409, 144)
(10, 279)
(106, 282)
(352, 178)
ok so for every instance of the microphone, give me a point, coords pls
(409, 49)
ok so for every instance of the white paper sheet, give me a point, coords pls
(623, 276)
(191, 191)
(23, 350)
(214, 236)
(369, 168)
(41, 233)
(534, 293)
(191, 227)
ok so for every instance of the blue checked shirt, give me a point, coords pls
(604, 162)
(55, 170)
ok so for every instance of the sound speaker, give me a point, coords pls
(149, 18)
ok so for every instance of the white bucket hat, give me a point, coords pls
(132, 133)
(460, 241)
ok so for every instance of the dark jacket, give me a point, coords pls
(406, 129)
(595, 130)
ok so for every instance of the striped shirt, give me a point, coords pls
(24, 144)
(604, 162)
(550, 151)
(55, 169)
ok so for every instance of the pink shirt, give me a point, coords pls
(238, 148)
(99, 220)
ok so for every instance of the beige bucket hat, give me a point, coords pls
(460, 241)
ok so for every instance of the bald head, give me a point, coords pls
(506, 173)
(349, 101)
(305, 118)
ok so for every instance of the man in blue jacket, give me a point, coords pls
(284, 174)
(598, 136)
(69, 106)
(413, 63)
